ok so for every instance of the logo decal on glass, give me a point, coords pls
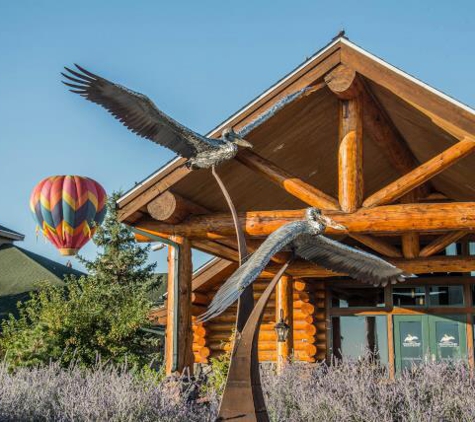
(411, 341)
(447, 341)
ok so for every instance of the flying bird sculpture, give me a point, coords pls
(306, 241)
(139, 114)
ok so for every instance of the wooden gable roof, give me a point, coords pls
(302, 139)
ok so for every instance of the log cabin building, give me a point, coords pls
(379, 151)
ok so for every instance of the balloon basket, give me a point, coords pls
(68, 251)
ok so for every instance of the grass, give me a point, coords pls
(347, 392)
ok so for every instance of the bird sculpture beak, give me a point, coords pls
(243, 143)
(331, 223)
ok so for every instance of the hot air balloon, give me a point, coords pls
(68, 209)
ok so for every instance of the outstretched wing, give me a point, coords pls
(250, 270)
(138, 113)
(338, 257)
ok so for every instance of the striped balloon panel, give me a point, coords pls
(68, 209)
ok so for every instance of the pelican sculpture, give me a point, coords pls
(306, 241)
(140, 115)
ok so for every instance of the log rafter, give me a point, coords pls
(422, 174)
(291, 184)
(442, 242)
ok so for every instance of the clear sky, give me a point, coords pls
(198, 60)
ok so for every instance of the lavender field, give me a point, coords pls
(349, 392)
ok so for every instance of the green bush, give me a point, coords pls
(98, 316)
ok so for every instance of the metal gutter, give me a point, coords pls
(176, 290)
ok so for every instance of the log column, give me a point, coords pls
(179, 340)
(344, 83)
(410, 241)
(284, 302)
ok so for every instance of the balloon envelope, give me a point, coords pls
(68, 210)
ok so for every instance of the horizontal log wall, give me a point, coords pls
(214, 338)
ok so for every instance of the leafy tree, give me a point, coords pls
(96, 316)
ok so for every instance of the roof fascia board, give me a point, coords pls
(10, 235)
(407, 76)
(446, 112)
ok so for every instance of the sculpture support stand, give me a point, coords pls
(243, 399)
(246, 301)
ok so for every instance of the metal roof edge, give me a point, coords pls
(11, 235)
(406, 75)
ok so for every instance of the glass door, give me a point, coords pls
(447, 337)
(411, 340)
(421, 337)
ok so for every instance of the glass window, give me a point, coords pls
(446, 296)
(409, 296)
(354, 336)
(357, 297)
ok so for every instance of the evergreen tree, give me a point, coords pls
(97, 316)
(121, 259)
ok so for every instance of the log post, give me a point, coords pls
(346, 86)
(410, 242)
(179, 333)
(343, 81)
(284, 303)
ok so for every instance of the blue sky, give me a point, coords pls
(198, 60)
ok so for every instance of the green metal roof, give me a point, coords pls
(20, 273)
(10, 234)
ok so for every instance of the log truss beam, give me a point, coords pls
(388, 219)
(345, 84)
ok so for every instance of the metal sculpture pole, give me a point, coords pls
(246, 301)
(243, 399)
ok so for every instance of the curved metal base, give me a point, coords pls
(246, 301)
(243, 399)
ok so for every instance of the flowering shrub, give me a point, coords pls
(346, 392)
(362, 392)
